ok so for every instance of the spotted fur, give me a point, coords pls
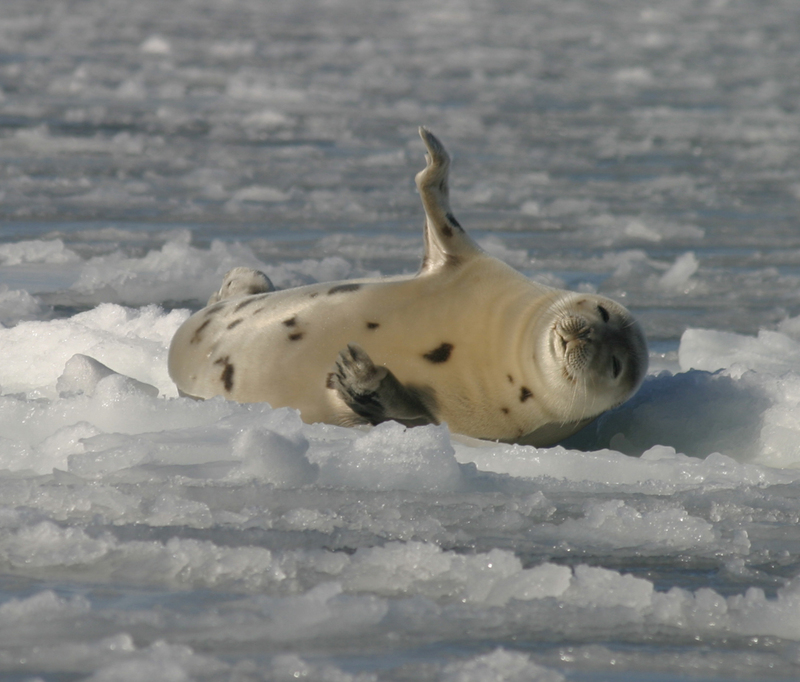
(439, 354)
(227, 372)
(343, 289)
(198, 333)
(250, 300)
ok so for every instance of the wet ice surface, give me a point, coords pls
(648, 153)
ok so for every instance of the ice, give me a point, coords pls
(679, 274)
(615, 524)
(99, 455)
(271, 457)
(131, 342)
(259, 194)
(156, 45)
(82, 374)
(424, 461)
(16, 305)
(36, 251)
(177, 271)
(711, 350)
(499, 666)
(644, 153)
(289, 667)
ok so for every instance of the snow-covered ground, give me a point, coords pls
(647, 151)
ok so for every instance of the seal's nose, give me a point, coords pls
(573, 328)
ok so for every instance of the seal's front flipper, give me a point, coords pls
(374, 393)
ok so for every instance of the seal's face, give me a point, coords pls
(597, 354)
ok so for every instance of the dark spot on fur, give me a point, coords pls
(227, 372)
(245, 303)
(214, 309)
(451, 218)
(198, 333)
(510, 379)
(296, 336)
(373, 325)
(446, 230)
(440, 354)
(236, 323)
(343, 288)
(256, 289)
(260, 310)
(291, 322)
(227, 377)
(504, 410)
(524, 394)
(314, 294)
(329, 381)
(452, 261)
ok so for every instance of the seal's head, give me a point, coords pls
(594, 355)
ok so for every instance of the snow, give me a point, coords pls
(643, 153)
(97, 445)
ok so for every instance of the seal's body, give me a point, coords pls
(467, 341)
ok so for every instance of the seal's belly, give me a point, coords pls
(280, 348)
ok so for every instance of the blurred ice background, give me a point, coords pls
(645, 150)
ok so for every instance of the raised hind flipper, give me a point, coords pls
(375, 394)
(446, 243)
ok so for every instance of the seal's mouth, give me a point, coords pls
(572, 337)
